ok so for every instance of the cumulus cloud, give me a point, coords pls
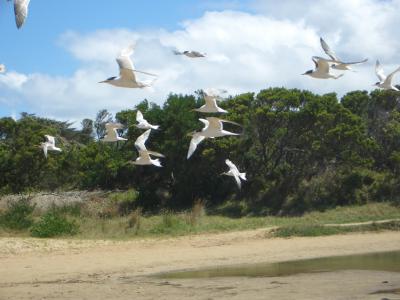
(246, 52)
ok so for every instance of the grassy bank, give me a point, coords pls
(112, 226)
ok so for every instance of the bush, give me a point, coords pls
(124, 201)
(54, 224)
(18, 215)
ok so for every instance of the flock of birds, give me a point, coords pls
(213, 126)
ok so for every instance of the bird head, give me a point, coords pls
(108, 79)
(376, 84)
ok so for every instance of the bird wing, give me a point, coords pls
(227, 121)
(390, 76)
(232, 166)
(328, 50)
(211, 101)
(50, 139)
(196, 139)
(139, 116)
(45, 150)
(355, 62)
(379, 71)
(20, 11)
(141, 140)
(197, 54)
(157, 154)
(237, 179)
(205, 122)
(322, 64)
(125, 64)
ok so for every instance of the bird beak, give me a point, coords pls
(303, 74)
(103, 81)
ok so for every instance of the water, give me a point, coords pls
(382, 261)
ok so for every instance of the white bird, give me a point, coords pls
(145, 159)
(234, 172)
(321, 70)
(338, 63)
(49, 145)
(127, 78)
(20, 11)
(142, 122)
(211, 106)
(191, 54)
(144, 154)
(213, 128)
(112, 133)
(2, 68)
(385, 82)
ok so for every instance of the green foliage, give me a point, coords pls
(18, 215)
(301, 152)
(54, 224)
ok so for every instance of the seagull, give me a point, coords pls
(20, 11)
(2, 68)
(144, 154)
(142, 122)
(112, 133)
(127, 78)
(191, 54)
(145, 159)
(321, 69)
(50, 144)
(211, 105)
(338, 63)
(213, 128)
(234, 172)
(385, 82)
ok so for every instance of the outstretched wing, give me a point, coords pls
(196, 139)
(232, 166)
(328, 50)
(322, 64)
(20, 11)
(141, 140)
(355, 62)
(379, 71)
(139, 116)
(125, 64)
(390, 76)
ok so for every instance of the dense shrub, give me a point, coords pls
(54, 224)
(18, 215)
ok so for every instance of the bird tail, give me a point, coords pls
(176, 52)
(155, 127)
(337, 77)
(156, 162)
(243, 176)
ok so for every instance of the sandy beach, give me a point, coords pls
(75, 269)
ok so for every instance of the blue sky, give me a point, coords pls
(66, 46)
(36, 46)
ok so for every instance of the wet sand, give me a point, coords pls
(70, 269)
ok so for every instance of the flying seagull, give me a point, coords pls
(321, 70)
(20, 11)
(211, 106)
(127, 77)
(338, 63)
(144, 154)
(112, 133)
(213, 127)
(49, 145)
(191, 54)
(385, 82)
(2, 68)
(234, 172)
(142, 122)
(144, 159)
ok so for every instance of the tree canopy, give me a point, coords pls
(301, 151)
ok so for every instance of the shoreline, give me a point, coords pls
(69, 264)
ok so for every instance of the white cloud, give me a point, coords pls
(246, 52)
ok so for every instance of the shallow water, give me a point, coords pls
(382, 261)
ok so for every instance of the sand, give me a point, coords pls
(72, 269)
